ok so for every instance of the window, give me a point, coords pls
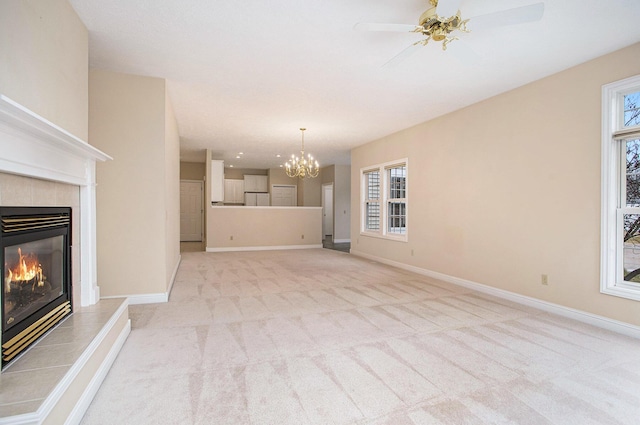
(620, 252)
(384, 200)
(372, 200)
(397, 200)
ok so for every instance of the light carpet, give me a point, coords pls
(323, 337)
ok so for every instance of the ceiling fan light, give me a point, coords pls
(439, 36)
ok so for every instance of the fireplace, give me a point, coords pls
(35, 251)
(42, 164)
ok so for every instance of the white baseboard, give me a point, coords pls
(94, 385)
(173, 276)
(582, 316)
(262, 248)
(342, 241)
(159, 297)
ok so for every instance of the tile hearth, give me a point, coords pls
(37, 384)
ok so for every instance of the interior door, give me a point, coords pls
(190, 211)
(284, 195)
(327, 210)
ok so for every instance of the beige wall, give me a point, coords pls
(509, 189)
(172, 189)
(279, 176)
(263, 227)
(44, 61)
(300, 192)
(340, 176)
(136, 192)
(310, 192)
(43, 66)
(192, 170)
(342, 202)
(328, 174)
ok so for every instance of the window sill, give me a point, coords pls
(401, 238)
(623, 292)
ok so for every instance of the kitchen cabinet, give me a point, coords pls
(253, 183)
(252, 199)
(233, 191)
(217, 180)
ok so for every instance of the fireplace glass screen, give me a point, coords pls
(35, 257)
(33, 277)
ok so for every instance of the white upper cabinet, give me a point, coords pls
(233, 191)
(255, 183)
(217, 180)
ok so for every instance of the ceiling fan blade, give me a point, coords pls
(447, 8)
(365, 26)
(517, 15)
(402, 55)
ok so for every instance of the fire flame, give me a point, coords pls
(27, 269)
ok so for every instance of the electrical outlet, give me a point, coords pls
(544, 279)
(302, 236)
(230, 238)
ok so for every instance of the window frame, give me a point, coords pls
(371, 200)
(614, 137)
(390, 190)
(384, 201)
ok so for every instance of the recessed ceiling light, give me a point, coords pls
(240, 153)
(278, 155)
(237, 156)
(281, 165)
(230, 166)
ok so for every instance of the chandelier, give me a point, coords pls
(301, 167)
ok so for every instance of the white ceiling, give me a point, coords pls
(246, 75)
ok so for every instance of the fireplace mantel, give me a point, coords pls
(34, 147)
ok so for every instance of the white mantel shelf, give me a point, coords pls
(35, 147)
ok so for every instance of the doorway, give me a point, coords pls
(191, 210)
(327, 211)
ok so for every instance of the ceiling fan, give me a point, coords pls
(443, 20)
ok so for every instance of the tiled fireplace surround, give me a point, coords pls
(55, 380)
